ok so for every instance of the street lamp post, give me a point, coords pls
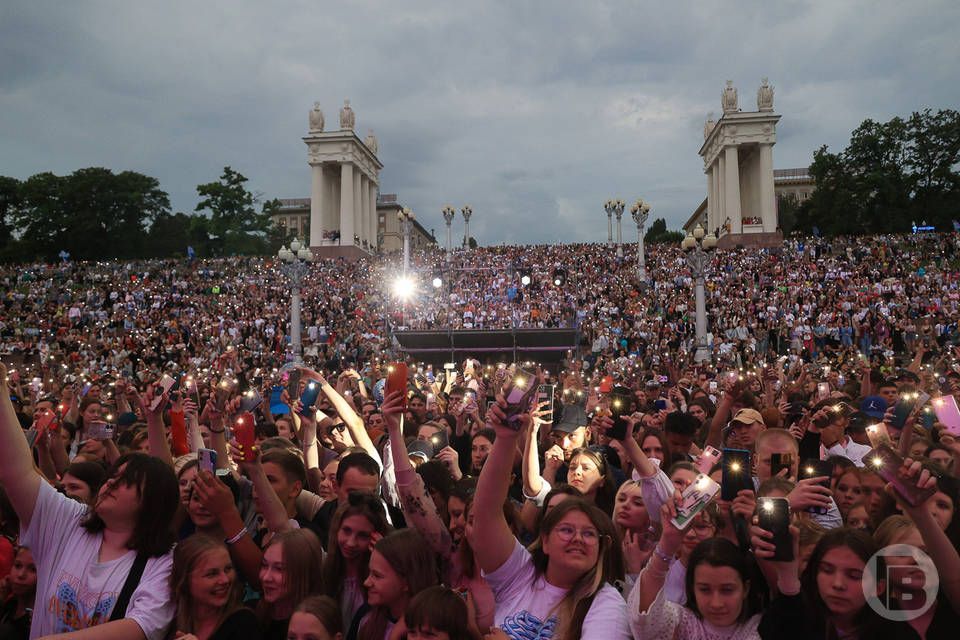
(406, 218)
(698, 245)
(293, 265)
(448, 215)
(467, 211)
(640, 211)
(618, 207)
(608, 206)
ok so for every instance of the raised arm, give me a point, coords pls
(354, 422)
(17, 474)
(492, 490)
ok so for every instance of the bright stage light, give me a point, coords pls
(403, 287)
(437, 283)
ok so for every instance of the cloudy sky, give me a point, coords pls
(534, 113)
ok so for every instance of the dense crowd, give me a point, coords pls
(169, 471)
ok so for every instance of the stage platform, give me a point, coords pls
(545, 346)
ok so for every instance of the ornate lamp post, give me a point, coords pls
(640, 211)
(467, 211)
(294, 266)
(697, 245)
(618, 207)
(449, 213)
(406, 218)
(608, 206)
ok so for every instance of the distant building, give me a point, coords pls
(294, 215)
(797, 183)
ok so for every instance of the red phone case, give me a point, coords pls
(244, 432)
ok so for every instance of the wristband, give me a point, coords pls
(310, 444)
(236, 538)
(212, 430)
(660, 554)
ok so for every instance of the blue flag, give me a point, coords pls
(190, 252)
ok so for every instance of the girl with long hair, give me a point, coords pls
(289, 573)
(401, 566)
(560, 587)
(716, 584)
(206, 590)
(451, 543)
(355, 528)
(81, 550)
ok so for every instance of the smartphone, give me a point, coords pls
(712, 386)
(245, 433)
(85, 389)
(518, 393)
(309, 397)
(823, 390)
(660, 404)
(440, 440)
(99, 431)
(545, 393)
(948, 413)
(878, 434)
(736, 473)
(695, 499)
(779, 462)
(45, 420)
(397, 380)
(250, 400)
(619, 407)
(814, 468)
(293, 384)
(31, 436)
(207, 460)
(886, 462)
(901, 410)
(773, 514)
(708, 458)
(166, 383)
(844, 409)
(927, 418)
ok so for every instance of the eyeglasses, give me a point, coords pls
(567, 533)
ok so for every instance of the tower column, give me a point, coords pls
(347, 228)
(317, 192)
(731, 185)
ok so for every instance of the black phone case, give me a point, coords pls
(777, 522)
(733, 482)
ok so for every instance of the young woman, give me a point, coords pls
(289, 573)
(16, 611)
(560, 587)
(632, 522)
(355, 528)
(847, 490)
(401, 566)
(717, 589)
(439, 613)
(206, 590)
(316, 618)
(452, 542)
(82, 481)
(82, 550)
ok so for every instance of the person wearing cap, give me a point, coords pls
(571, 432)
(746, 425)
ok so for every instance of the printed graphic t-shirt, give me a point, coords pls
(74, 590)
(525, 604)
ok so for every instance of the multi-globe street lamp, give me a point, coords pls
(449, 213)
(294, 265)
(640, 211)
(467, 211)
(608, 207)
(616, 207)
(405, 217)
(697, 245)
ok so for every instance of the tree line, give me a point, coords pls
(94, 213)
(891, 176)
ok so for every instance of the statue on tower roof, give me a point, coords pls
(765, 96)
(371, 142)
(708, 125)
(316, 119)
(347, 117)
(728, 98)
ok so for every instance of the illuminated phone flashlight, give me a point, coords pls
(877, 462)
(767, 505)
(938, 401)
(520, 382)
(390, 369)
(735, 467)
(703, 482)
(109, 417)
(616, 404)
(249, 393)
(810, 471)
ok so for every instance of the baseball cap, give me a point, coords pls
(573, 418)
(874, 406)
(748, 416)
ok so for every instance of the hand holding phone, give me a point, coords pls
(397, 380)
(250, 400)
(888, 464)
(166, 383)
(773, 515)
(695, 499)
(518, 394)
(207, 460)
(244, 431)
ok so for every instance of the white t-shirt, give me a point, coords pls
(74, 591)
(524, 602)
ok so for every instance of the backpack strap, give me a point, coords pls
(129, 586)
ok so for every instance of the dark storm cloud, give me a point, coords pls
(532, 112)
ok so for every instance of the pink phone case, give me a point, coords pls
(948, 413)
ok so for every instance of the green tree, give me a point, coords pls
(658, 233)
(9, 202)
(170, 235)
(237, 226)
(91, 213)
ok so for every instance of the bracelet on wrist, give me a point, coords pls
(657, 551)
(236, 538)
(222, 430)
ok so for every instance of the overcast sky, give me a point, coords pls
(534, 113)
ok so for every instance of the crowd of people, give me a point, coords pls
(170, 470)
